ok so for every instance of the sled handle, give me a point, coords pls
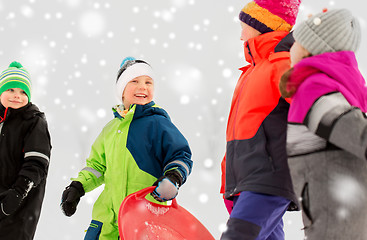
(145, 191)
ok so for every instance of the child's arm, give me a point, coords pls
(37, 151)
(92, 176)
(174, 151)
(37, 148)
(88, 178)
(334, 119)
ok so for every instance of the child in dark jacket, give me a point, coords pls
(138, 148)
(327, 129)
(24, 156)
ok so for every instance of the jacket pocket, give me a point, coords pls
(307, 217)
(94, 230)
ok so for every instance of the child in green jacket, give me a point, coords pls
(140, 147)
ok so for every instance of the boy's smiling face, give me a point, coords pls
(140, 91)
(14, 98)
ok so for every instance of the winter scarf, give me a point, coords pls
(318, 75)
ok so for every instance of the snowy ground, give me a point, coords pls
(73, 49)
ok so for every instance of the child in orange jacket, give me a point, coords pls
(257, 178)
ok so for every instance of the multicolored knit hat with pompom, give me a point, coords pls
(270, 15)
(131, 68)
(16, 77)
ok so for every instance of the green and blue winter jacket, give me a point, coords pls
(130, 154)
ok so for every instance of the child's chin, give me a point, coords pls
(142, 102)
(16, 106)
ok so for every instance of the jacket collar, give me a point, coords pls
(2, 108)
(26, 112)
(3, 113)
(260, 47)
(140, 110)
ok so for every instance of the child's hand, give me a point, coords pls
(71, 197)
(167, 186)
(10, 201)
(166, 190)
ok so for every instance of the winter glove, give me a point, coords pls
(71, 197)
(167, 186)
(11, 199)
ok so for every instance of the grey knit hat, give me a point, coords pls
(330, 31)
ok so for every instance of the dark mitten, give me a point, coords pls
(71, 197)
(167, 186)
(11, 199)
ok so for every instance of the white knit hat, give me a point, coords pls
(131, 68)
(330, 31)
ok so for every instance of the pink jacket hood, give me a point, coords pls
(325, 73)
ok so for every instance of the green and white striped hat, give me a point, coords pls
(15, 77)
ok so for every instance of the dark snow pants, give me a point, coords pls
(256, 217)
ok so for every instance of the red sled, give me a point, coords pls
(140, 219)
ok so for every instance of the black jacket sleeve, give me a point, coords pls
(37, 150)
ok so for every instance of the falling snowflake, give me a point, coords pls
(347, 191)
(92, 23)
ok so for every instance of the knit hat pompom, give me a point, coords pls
(270, 15)
(126, 60)
(16, 64)
(16, 76)
(131, 68)
(330, 31)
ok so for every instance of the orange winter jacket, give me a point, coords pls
(256, 157)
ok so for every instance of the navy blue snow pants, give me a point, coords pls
(256, 216)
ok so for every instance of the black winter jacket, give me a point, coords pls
(25, 148)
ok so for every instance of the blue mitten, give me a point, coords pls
(167, 186)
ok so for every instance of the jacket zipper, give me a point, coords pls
(249, 52)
